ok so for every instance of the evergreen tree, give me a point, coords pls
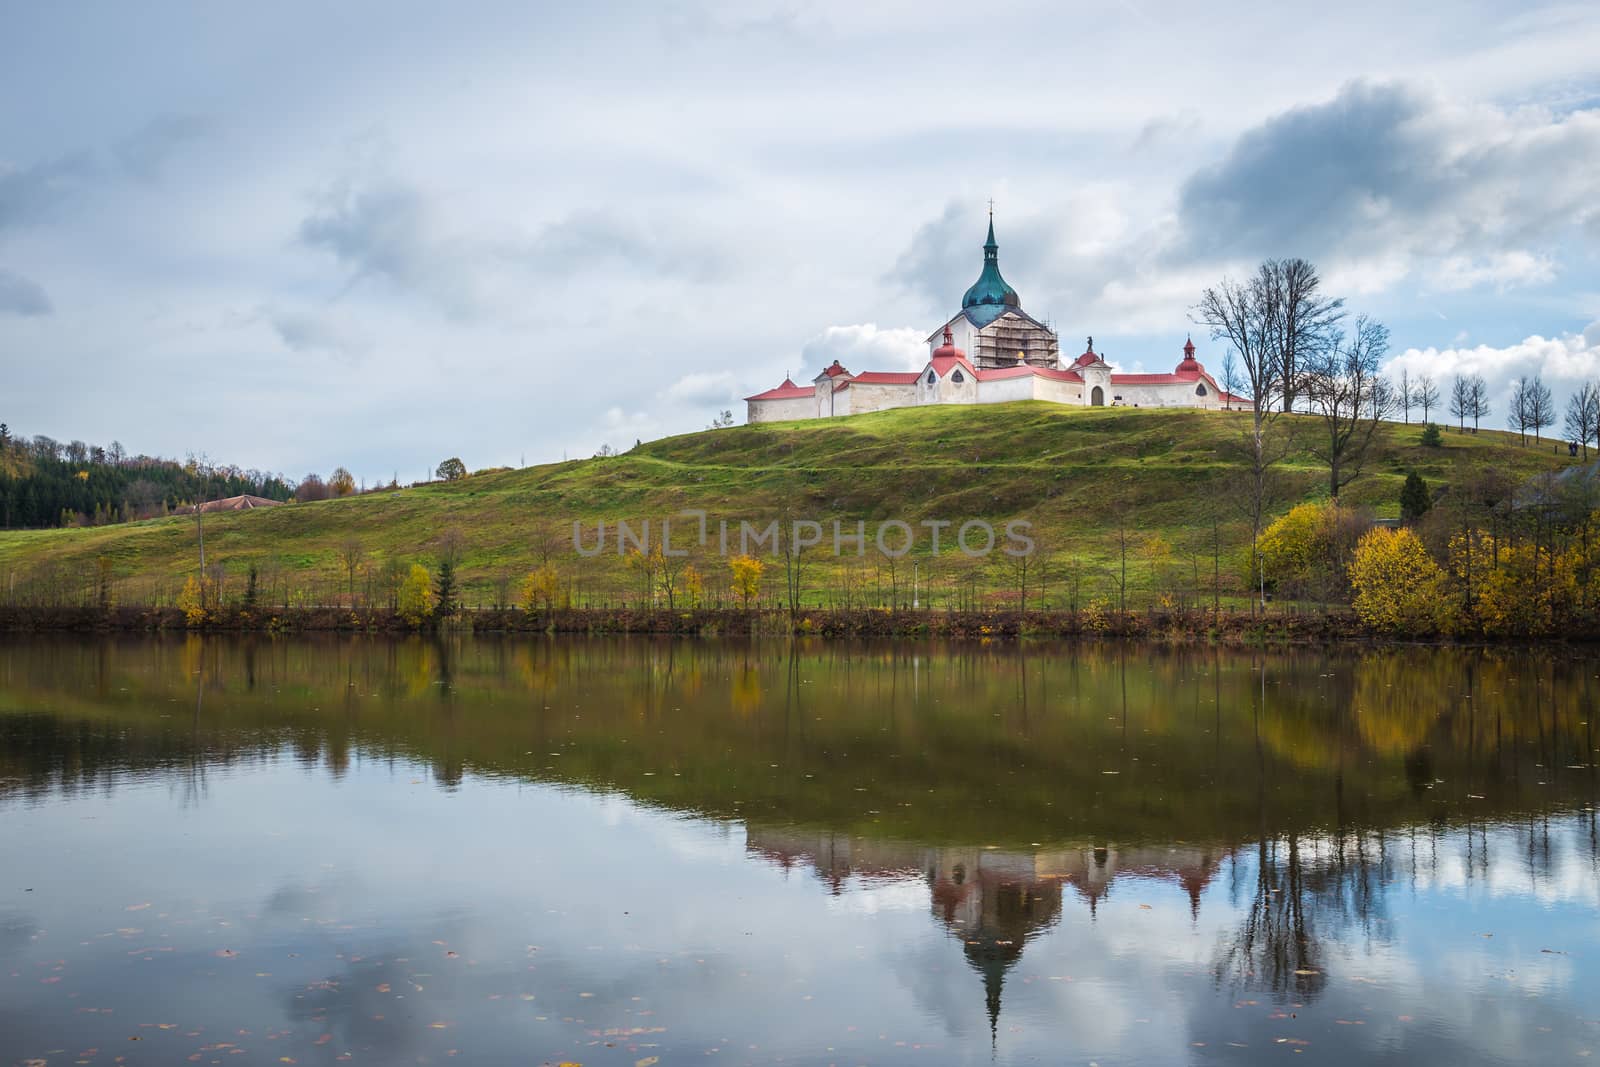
(1415, 500)
(445, 588)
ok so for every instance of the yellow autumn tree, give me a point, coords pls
(747, 571)
(192, 602)
(539, 589)
(1398, 587)
(1293, 544)
(416, 598)
(694, 585)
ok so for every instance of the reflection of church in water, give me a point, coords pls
(994, 901)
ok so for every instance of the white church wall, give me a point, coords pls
(962, 334)
(1007, 389)
(804, 407)
(1056, 391)
(950, 391)
(880, 397)
(1173, 395)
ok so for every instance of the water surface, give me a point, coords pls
(629, 852)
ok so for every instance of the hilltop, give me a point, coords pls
(1078, 475)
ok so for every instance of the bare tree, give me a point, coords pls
(1540, 409)
(1230, 377)
(1461, 401)
(1481, 408)
(1303, 322)
(1245, 315)
(1351, 398)
(1382, 398)
(351, 555)
(1406, 396)
(1583, 416)
(1242, 314)
(311, 487)
(1517, 417)
(1426, 395)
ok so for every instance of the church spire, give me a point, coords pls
(990, 289)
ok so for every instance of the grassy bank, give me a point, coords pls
(1096, 484)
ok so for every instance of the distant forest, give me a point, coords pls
(45, 483)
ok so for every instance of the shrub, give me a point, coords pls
(1430, 436)
(1399, 589)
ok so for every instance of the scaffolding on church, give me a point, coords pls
(1008, 345)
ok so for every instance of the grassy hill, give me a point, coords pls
(1075, 473)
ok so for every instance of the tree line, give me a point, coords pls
(47, 483)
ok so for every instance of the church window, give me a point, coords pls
(957, 378)
(1200, 390)
(930, 377)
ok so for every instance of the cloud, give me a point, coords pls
(21, 296)
(33, 194)
(1389, 170)
(145, 153)
(309, 331)
(865, 346)
(380, 226)
(1562, 362)
(596, 240)
(385, 229)
(703, 388)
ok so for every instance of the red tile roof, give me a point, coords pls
(943, 365)
(787, 391)
(1025, 370)
(1154, 379)
(885, 377)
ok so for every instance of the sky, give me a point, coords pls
(297, 236)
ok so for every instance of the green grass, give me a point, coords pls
(1073, 473)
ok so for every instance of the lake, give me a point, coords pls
(630, 851)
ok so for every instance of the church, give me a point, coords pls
(991, 352)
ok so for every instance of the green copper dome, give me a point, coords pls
(989, 295)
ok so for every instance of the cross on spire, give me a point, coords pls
(991, 207)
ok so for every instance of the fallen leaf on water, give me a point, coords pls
(323, 1040)
(384, 988)
(439, 1026)
(1144, 907)
(648, 1061)
(137, 907)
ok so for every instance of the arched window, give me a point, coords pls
(957, 377)
(930, 377)
(1200, 390)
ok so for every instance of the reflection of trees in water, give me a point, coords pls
(999, 732)
(1288, 901)
(1297, 893)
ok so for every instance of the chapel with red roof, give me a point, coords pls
(992, 352)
